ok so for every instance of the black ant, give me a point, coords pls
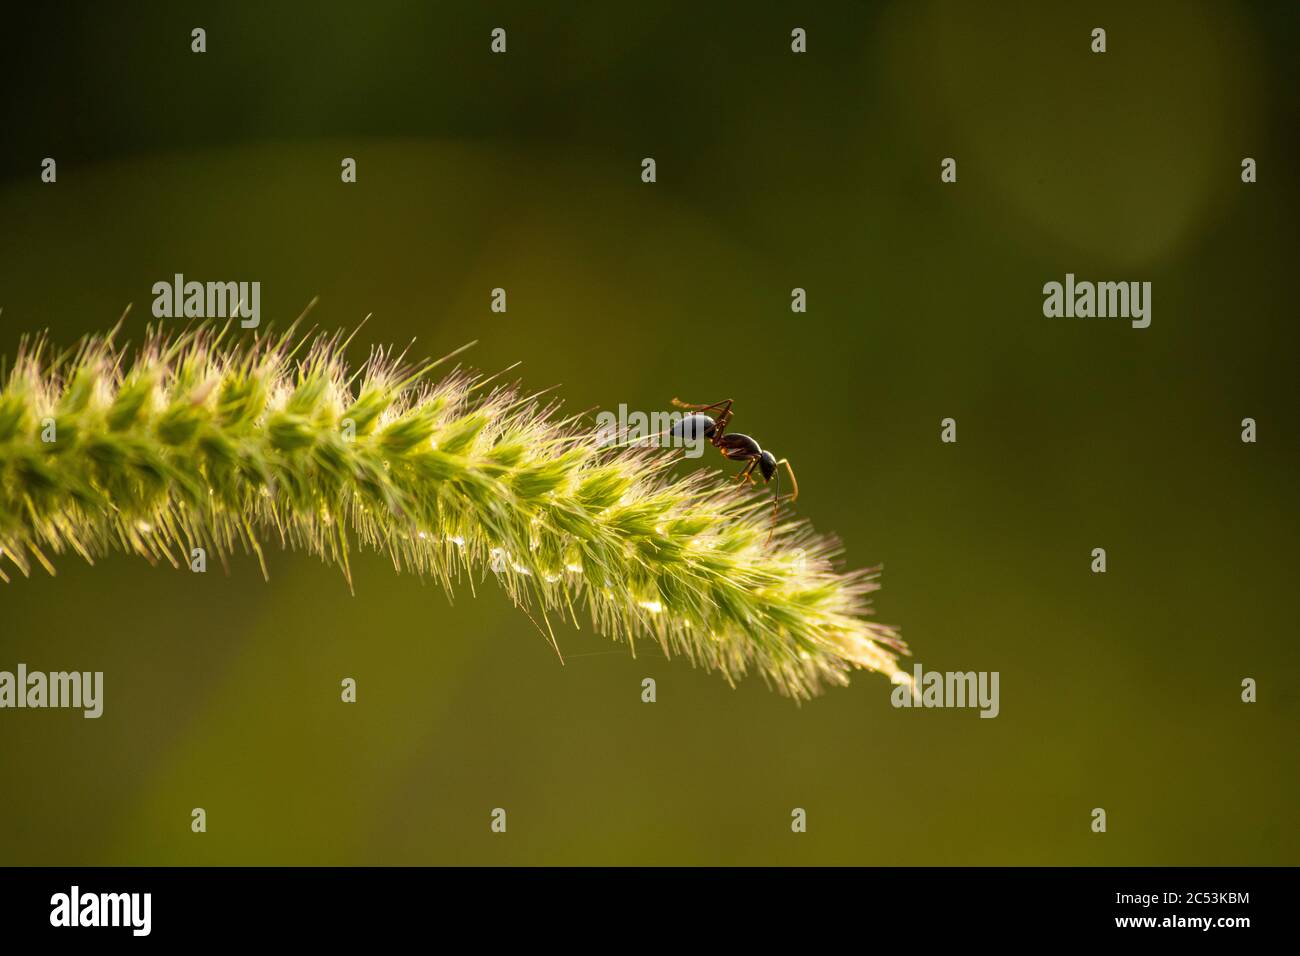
(736, 447)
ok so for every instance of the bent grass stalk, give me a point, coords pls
(192, 441)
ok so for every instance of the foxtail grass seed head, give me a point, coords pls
(197, 442)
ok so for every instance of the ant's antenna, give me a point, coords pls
(776, 490)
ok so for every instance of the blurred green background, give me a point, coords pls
(774, 171)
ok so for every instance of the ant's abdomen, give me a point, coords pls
(695, 428)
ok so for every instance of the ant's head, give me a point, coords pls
(767, 465)
(696, 427)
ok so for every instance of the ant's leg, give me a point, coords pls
(748, 472)
(725, 406)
